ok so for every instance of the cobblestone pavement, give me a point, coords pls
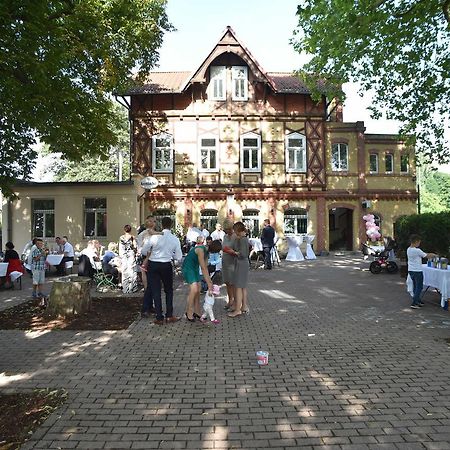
(351, 366)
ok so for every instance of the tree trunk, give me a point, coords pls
(69, 296)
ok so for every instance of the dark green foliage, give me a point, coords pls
(60, 61)
(434, 228)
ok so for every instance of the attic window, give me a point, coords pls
(239, 77)
(217, 83)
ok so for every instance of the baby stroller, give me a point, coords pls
(381, 258)
(215, 274)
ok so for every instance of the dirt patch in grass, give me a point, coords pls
(22, 413)
(107, 313)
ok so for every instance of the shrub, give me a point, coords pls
(434, 228)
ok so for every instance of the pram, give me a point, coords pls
(215, 273)
(381, 258)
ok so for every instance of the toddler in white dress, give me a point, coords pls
(208, 305)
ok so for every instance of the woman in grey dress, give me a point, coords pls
(228, 262)
(242, 267)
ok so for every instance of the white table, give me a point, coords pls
(309, 238)
(256, 244)
(294, 252)
(436, 278)
(54, 260)
(3, 269)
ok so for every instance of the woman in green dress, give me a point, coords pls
(197, 259)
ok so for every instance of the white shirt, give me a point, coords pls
(205, 233)
(415, 256)
(218, 235)
(163, 248)
(142, 238)
(91, 254)
(68, 248)
(192, 234)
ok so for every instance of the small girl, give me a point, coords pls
(208, 305)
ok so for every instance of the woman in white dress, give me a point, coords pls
(127, 253)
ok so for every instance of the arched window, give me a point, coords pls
(209, 219)
(250, 218)
(158, 214)
(377, 220)
(295, 221)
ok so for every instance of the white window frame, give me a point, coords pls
(339, 146)
(97, 211)
(248, 148)
(208, 149)
(392, 162)
(404, 155)
(168, 150)
(217, 76)
(250, 218)
(294, 218)
(235, 79)
(299, 153)
(371, 155)
(46, 213)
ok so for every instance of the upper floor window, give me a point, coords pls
(389, 163)
(43, 225)
(239, 77)
(251, 152)
(95, 217)
(295, 221)
(404, 163)
(162, 153)
(208, 155)
(217, 86)
(373, 163)
(295, 153)
(339, 157)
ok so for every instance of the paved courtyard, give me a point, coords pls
(350, 366)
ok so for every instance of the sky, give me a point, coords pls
(265, 27)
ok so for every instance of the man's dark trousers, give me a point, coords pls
(161, 273)
(147, 304)
(267, 257)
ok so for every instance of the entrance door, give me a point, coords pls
(341, 229)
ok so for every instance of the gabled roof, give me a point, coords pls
(177, 82)
(229, 43)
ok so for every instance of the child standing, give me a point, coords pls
(208, 305)
(38, 268)
(415, 255)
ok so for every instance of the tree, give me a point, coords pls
(60, 61)
(400, 50)
(97, 167)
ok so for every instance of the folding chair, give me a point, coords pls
(275, 257)
(103, 281)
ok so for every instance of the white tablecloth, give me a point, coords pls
(294, 252)
(256, 244)
(309, 238)
(54, 260)
(3, 269)
(436, 278)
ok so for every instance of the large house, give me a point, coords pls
(229, 139)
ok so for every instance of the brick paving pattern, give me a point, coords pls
(351, 366)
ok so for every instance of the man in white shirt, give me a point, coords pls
(68, 256)
(192, 234)
(218, 234)
(204, 231)
(161, 250)
(415, 255)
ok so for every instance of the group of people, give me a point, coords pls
(15, 266)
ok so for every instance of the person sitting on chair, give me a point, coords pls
(68, 255)
(109, 258)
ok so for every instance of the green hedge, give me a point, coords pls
(434, 228)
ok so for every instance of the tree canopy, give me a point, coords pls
(114, 166)
(400, 50)
(60, 61)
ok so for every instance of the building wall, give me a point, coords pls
(69, 212)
